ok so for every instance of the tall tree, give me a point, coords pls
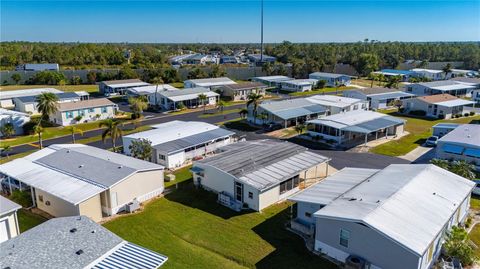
(367, 63)
(47, 104)
(447, 69)
(203, 97)
(217, 71)
(138, 105)
(112, 130)
(16, 77)
(157, 81)
(141, 149)
(253, 99)
(38, 130)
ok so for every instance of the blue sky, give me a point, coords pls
(238, 21)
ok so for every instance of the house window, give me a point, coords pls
(344, 237)
(289, 184)
(81, 112)
(91, 110)
(355, 107)
(69, 114)
(161, 157)
(40, 198)
(104, 109)
(308, 214)
(47, 203)
(250, 195)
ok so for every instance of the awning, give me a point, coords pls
(373, 125)
(300, 112)
(449, 148)
(472, 152)
(131, 256)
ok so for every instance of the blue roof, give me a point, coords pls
(400, 72)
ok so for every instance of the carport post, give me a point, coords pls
(366, 138)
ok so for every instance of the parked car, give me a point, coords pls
(431, 141)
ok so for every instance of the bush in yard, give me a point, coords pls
(472, 113)
(457, 246)
(466, 114)
(22, 198)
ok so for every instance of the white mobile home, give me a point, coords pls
(84, 111)
(332, 80)
(75, 243)
(271, 81)
(379, 98)
(393, 218)
(298, 85)
(437, 106)
(38, 67)
(119, 86)
(188, 97)
(354, 127)
(29, 104)
(431, 74)
(337, 104)
(152, 92)
(440, 87)
(6, 98)
(257, 174)
(241, 91)
(17, 119)
(177, 143)
(210, 83)
(76, 179)
(463, 143)
(8, 219)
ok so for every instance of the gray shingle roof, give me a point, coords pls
(52, 245)
(264, 163)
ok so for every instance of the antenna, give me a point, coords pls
(261, 35)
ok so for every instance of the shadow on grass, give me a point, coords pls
(241, 125)
(290, 250)
(310, 144)
(188, 195)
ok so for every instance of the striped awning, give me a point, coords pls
(131, 256)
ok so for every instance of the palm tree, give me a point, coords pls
(138, 105)
(463, 169)
(203, 97)
(441, 163)
(372, 77)
(243, 113)
(112, 129)
(380, 78)
(254, 99)
(156, 81)
(263, 116)
(447, 69)
(6, 150)
(221, 105)
(73, 130)
(336, 87)
(47, 104)
(393, 82)
(38, 130)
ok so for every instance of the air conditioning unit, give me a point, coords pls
(354, 262)
(132, 207)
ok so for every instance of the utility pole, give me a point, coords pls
(261, 36)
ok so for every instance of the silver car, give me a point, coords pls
(431, 141)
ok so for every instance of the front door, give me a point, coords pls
(239, 191)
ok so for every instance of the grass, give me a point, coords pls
(194, 231)
(240, 125)
(16, 156)
(219, 113)
(475, 203)
(475, 237)
(28, 220)
(319, 91)
(67, 88)
(177, 84)
(419, 130)
(181, 175)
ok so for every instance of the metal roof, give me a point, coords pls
(334, 101)
(329, 189)
(84, 104)
(173, 130)
(193, 140)
(152, 89)
(292, 108)
(391, 95)
(187, 94)
(426, 70)
(125, 83)
(57, 243)
(446, 85)
(131, 256)
(263, 164)
(208, 82)
(327, 75)
(464, 134)
(301, 82)
(359, 121)
(26, 92)
(272, 78)
(374, 90)
(446, 125)
(408, 203)
(7, 206)
(61, 97)
(14, 113)
(398, 72)
(453, 103)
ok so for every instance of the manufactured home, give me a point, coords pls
(462, 143)
(8, 219)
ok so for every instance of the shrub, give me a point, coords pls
(466, 114)
(472, 113)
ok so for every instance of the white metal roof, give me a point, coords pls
(423, 70)
(464, 134)
(26, 92)
(152, 89)
(272, 78)
(7, 206)
(333, 101)
(329, 189)
(7, 112)
(351, 118)
(408, 203)
(457, 102)
(208, 82)
(300, 82)
(173, 130)
(71, 189)
(128, 85)
(188, 94)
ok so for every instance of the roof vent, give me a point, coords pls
(68, 151)
(73, 230)
(119, 166)
(93, 231)
(79, 252)
(378, 201)
(352, 199)
(80, 166)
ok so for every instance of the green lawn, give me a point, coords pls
(177, 84)
(475, 237)
(320, 91)
(419, 130)
(475, 203)
(181, 175)
(28, 220)
(194, 231)
(66, 88)
(239, 124)
(218, 113)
